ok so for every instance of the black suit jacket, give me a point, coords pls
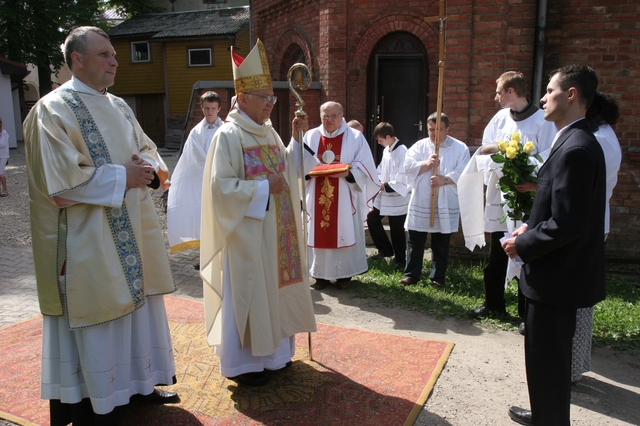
(563, 248)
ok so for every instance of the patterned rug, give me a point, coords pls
(355, 378)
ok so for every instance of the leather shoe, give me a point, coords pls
(407, 281)
(343, 283)
(321, 283)
(521, 328)
(520, 415)
(159, 396)
(483, 312)
(251, 379)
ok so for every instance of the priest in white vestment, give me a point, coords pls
(256, 288)
(184, 202)
(100, 259)
(518, 114)
(338, 203)
(419, 163)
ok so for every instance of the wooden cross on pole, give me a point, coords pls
(441, 18)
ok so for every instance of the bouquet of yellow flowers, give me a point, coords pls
(516, 170)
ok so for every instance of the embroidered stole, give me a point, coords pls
(118, 217)
(325, 221)
(259, 162)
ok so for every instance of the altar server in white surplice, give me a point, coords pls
(419, 163)
(518, 115)
(100, 259)
(338, 203)
(392, 201)
(256, 286)
(185, 196)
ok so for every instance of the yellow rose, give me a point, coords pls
(516, 137)
(511, 152)
(514, 144)
(502, 146)
(529, 147)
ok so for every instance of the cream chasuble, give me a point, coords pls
(269, 284)
(122, 246)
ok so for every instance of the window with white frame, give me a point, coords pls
(140, 51)
(200, 57)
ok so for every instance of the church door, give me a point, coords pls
(398, 89)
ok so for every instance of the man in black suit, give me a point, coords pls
(562, 247)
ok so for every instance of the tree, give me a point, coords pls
(33, 31)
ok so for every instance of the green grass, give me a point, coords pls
(616, 319)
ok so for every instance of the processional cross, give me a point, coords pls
(441, 18)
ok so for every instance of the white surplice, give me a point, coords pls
(454, 156)
(391, 171)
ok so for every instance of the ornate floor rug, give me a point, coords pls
(355, 378)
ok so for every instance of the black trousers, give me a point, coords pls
(495, 273)
(439, 255)
(548, 339)
(80, 414)
(397, 246)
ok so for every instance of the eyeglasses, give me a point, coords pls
(329, 117)
(267, 99)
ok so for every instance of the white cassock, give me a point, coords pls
(184, 201)
(454, 156)
(354, 201)
(107, 361)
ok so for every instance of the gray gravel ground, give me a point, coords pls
(484, 375)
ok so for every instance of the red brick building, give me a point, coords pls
(380, 60)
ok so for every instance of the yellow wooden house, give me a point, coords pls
(162, 56)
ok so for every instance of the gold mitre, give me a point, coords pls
(251, 73)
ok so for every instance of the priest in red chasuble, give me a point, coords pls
(339, 197)
(256, 285)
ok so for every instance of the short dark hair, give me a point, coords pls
(603, 109)
(581, 77)
(514, 80)
(210, 96)
(76, 41)
(384, 129)
(443, 118)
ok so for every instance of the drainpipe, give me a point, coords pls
(250, 25)
(538, 51)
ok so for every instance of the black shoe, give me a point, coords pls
(343, 283)
(321, 284)
(251, 379)
(159, 396)
(520, 415)
(521, 328)
(484, 312)
(196, 266)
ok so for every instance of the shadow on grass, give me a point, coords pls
(616, 319)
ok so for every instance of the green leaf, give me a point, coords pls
(498, 158)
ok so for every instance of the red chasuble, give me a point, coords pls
(326, 203)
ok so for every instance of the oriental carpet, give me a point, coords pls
(355, 378)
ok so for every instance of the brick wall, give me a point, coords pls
(607, 38)
(484, 39)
